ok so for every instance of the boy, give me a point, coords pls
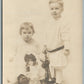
(57, 41)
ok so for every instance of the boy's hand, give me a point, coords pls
(66, 52)
(45, 49)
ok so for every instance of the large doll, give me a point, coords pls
(34, 71)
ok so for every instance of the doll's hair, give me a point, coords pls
(57, 1)
(30, 57)
(26, 25)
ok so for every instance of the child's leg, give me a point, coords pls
(59, 76)
(52, 71)
(42, 81)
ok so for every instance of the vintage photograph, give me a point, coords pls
(42, 42)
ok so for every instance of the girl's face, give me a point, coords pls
(56, 10)
(27, 34)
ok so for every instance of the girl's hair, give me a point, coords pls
(26, 25)
(57, 1)
(30, 57)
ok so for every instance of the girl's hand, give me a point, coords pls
(8, 81)
(11, 59)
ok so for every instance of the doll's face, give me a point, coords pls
(27, 34)
(30, 63)
(56, 10)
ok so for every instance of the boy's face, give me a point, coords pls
(27, 34)
(56, 10)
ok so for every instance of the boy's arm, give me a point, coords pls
(66, 39)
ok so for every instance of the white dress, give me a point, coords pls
(57, 35)
(24, 48)
(35, 74)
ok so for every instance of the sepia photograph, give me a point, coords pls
(42, 42)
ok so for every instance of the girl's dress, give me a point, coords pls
(22, 49)
(35, 74)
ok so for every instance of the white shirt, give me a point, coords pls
(57, 33)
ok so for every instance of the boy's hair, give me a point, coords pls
(57, 1)
(26, 25)
(30, 57)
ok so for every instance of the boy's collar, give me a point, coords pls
(52, 19)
